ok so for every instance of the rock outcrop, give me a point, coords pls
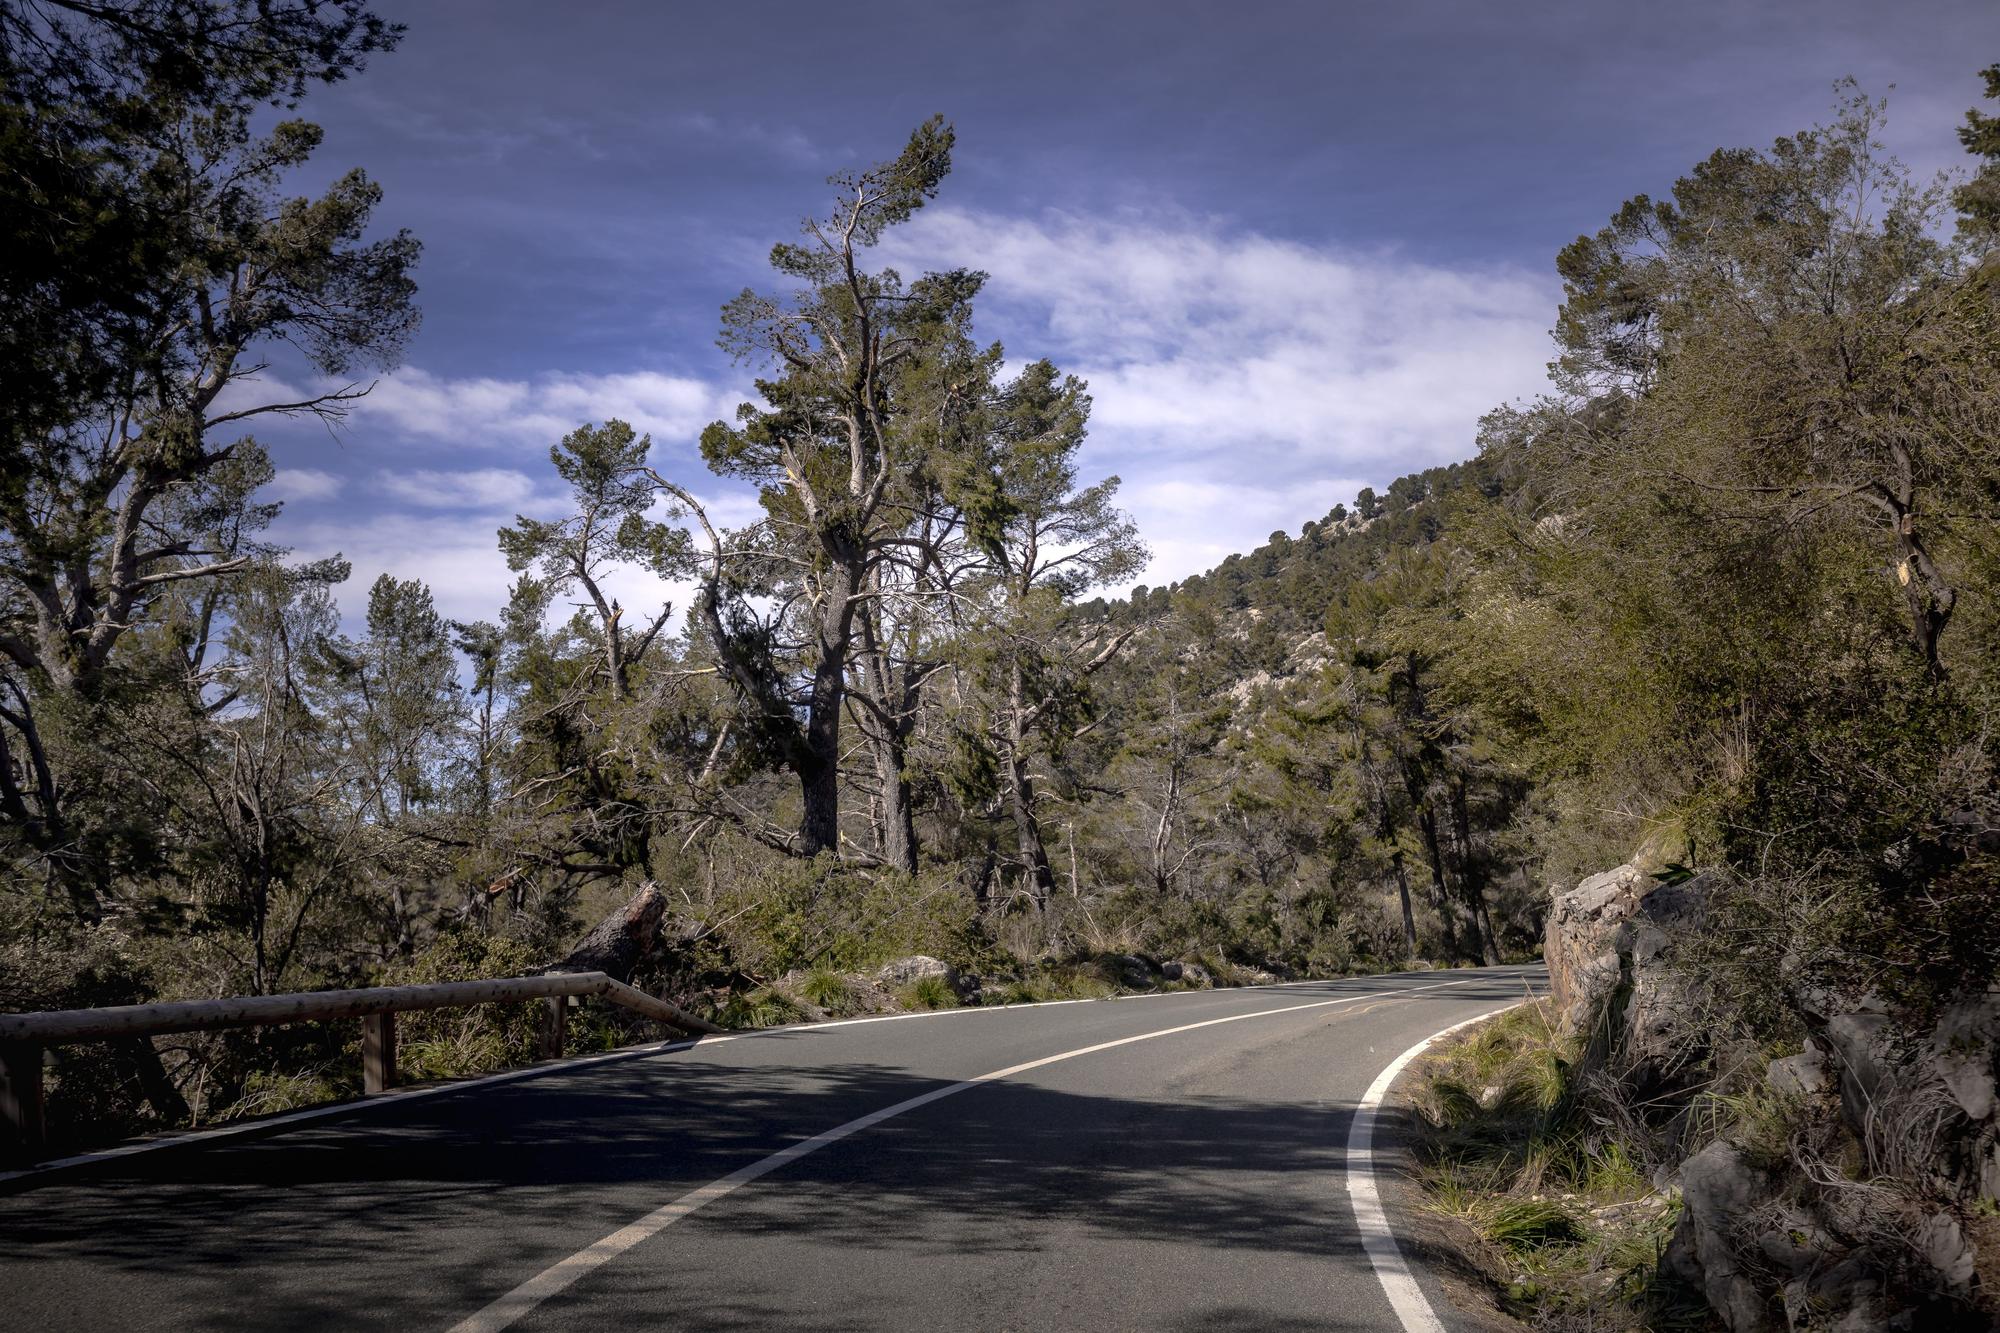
(1869, 1209)
(917, 967)
(1609, 948)
(1720, 1191)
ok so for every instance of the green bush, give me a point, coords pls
(793, 915)
(454, 1043)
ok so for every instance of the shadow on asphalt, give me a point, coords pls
(416, 1214)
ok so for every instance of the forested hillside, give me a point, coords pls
(1721, 601)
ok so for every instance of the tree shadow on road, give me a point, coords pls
(416, 1214)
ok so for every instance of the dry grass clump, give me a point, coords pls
(1569, 1224)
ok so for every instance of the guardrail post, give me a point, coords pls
(378, 1052)
(555, 1017)
(21, 1094)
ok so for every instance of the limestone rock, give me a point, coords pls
(1801, 1075)
(905, 971)
(1860, 1042)
(1947, 1250)
(1582, 941)
(1720, 1188)
(1962, 1055)
(1611, 939)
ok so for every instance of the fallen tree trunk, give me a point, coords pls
(621, 941)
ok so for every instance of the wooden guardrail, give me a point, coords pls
(25, 1037)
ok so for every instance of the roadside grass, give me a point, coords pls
(1050, 980)
(830, 990)
(1571, 1227)
(927, 993)
(765, 1007)
(267, 1093)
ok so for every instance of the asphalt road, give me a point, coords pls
(1154, 1168)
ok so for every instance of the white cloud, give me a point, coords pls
(1194, 524)
(510, 413)
(460, 562)
(303, 483)
(1243, 383)
(479, 488)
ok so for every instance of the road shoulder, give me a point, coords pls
(1458, 1269)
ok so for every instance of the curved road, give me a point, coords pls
(1163, 1162)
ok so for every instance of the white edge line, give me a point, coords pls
(510, 1307)
(278, 1123)
(1378, 1240)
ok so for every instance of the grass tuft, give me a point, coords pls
(828, 989)
(1508, 1151)
(928, 993)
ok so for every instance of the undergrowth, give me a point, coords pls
(1571, 1224)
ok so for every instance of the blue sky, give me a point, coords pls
(1296, 248)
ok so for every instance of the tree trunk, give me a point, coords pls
(1472, 875)
(1930, 598)
(1021, 797)
(887, 726)
(621, 941)
(982, 881)
(1409, 913)
(899, 829)
(154, 1081)
(819, 760)
(1441, 898)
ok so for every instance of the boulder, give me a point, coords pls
(1961, 1054)
(1801, 1075)
(1920, 1105)
(906, 971)
(1861, 1043)
(1129, 969)
(1720, 1189)
(1609, 948)
(1947, 1251)
(1188, 974)
(1657, 1033)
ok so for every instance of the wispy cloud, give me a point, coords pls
(1245, 383)
(460, 562)
(479, 488)
(782, 141)
(506, 414)
(303, 483)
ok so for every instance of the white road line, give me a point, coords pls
(559, 1276)
(1377, 1240)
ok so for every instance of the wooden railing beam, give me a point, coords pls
(24, 1037)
